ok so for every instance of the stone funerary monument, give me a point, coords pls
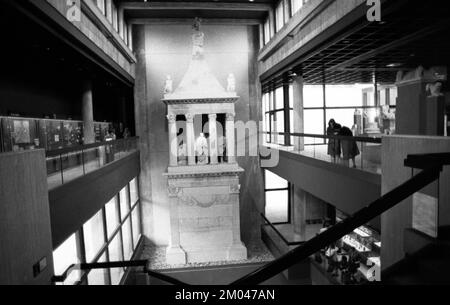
(203, 182)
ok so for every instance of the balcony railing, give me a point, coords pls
(363, 153)
(65, 165)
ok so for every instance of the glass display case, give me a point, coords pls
(19, 134)
(101, 130)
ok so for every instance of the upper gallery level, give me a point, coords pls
(97, 27)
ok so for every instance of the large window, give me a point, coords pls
(296, 5)
(279, 16)
(278, 115)
(110, 235)
(277, 192)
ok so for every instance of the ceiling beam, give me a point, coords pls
(217, 6)
(212, 21)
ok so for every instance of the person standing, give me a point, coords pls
(334, 145)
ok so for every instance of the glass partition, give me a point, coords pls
(91, 244)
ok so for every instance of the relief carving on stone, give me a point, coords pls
(173, 191)
(204, 201)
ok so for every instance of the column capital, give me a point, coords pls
(231, 116)
(189, 118)
(172, 118)
(212, 116)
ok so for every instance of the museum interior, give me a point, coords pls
(236, 142)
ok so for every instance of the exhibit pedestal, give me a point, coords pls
(205, 219)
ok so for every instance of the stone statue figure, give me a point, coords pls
(231, 83)
(198, 39)
(435, 89)
(168, 87)
(201, 148)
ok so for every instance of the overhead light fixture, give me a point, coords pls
(394, 65)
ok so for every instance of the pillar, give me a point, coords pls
(299, 212)
(213, 139)
(299, 127)
(88, 113)
(130, 36)
(175, 254)
(173, 145)
(121, 22)
(108, 10)
(230, 136)
(190, 138)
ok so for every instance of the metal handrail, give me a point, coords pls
(374, 140)
(110, 265)
(68, 150)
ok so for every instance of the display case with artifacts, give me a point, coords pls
(18, 133)
(355, 259)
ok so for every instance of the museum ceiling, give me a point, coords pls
(256, 10)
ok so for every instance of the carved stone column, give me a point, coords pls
(173, 145)
(175, 255)
(213, 139)
(230, 135)
(190, 138)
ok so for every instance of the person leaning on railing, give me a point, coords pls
(349, 147)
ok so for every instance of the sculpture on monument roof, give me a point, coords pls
(198, 39)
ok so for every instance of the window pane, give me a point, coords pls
(134, 191)
(274, 181)
(344, 117)
(112, 216)
(313, 120)
(296, 5)
(277, 206)
(94, 237)
(124, 203)
(267, 31)
(65, 255)
(279, 98)
(127, 240)
(98, 277)
(280, 121)
(115, 255)
(136, 226)
(266, 102)
(279, 16)
(344, 95)
(312, 96)
(291, 96)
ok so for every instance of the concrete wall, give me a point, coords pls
(166, 50)
(395, 221)
(25, 234)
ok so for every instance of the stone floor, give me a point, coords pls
(257, 253)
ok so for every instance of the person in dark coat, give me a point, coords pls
(349, 147)
(334, 146)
